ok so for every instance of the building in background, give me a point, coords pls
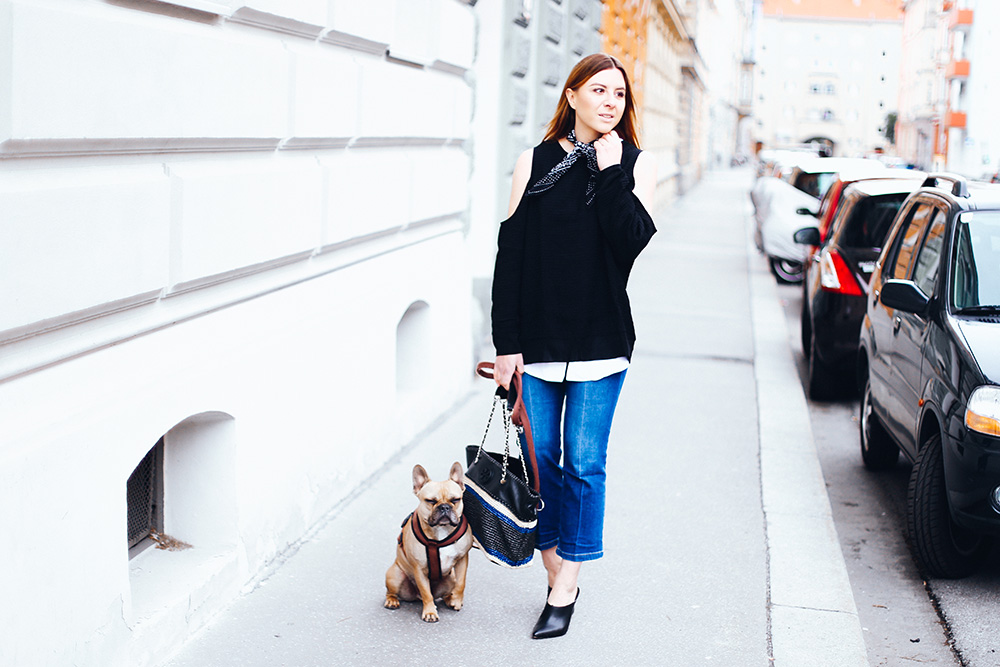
(919, 136)
(971, 135)
(827, 72)
(721, 38)
(624, 35)
(236, 283)
(663, 119)
(947, 101)
(687, 57)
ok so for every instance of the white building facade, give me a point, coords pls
(921, 85)
(948, 96)
(825, 78)
(722, 35)
(234, 258)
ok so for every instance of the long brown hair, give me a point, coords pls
(565, 118)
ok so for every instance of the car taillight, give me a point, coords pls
(835, 276)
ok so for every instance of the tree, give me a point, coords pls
(889, 129)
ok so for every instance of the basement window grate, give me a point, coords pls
(145, 499)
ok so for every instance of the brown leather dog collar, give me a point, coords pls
(433, 546)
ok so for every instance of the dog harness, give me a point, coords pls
(433, 547)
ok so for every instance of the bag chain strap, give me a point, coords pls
(506, 440)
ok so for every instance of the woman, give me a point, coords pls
(577, 221)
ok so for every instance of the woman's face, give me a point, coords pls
(599, 104)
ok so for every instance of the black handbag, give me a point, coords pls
(501, 491)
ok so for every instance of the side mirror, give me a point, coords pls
(807, 236)
(904, 295)
(805, 211)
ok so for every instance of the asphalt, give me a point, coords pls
(720, 548)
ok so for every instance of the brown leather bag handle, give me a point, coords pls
(518, 415)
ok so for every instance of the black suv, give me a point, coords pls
(929, 361)
(836, 283)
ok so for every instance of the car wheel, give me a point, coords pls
(878, 451)
(942, 547)
(786, 271)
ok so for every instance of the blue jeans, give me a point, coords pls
(571, 446)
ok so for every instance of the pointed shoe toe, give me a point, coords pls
(554, 621)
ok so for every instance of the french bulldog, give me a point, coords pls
(432, 553)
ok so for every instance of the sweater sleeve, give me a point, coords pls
(506, 294)
(626, 224)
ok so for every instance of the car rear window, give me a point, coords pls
(814, 184)
(976, 268)
(870, 221)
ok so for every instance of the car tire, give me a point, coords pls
(878, 451)
(942, 548)
(786, 271)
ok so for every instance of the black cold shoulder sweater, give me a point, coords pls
(562, 266)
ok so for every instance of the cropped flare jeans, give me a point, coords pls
(570, 423)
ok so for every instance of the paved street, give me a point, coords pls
(720, 546)
(905, 619)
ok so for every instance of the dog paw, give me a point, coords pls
(430, 616)
(391, 602)
(454, 602)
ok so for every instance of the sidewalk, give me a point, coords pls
(720, 547)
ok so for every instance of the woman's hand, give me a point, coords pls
(609, 150)
(504, 367)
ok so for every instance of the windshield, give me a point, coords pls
(976, 273)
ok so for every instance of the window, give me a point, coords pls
(976, 270)
(920, 216)
(926, 270)
(871, 222)
(144, 495)
(844, 210)
(414, 340)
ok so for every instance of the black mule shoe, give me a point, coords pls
(554, 621)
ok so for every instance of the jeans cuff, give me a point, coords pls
(579, 558)
(542, 546)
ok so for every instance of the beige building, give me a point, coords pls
(827, 72)
(692, 111)
(663, 119)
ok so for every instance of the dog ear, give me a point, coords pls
(457, 475)
(420, 477)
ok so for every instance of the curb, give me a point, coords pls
(812, 617)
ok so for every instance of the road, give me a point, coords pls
(906, 620)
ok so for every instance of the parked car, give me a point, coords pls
(929, 360)
(779, 210)
(830, 202)
(836, 282)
